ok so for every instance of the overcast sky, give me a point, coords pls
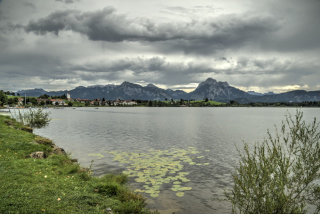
(266, 45)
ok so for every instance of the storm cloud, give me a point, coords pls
(107, 25)
(253, 45)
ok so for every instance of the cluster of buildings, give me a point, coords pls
(95, 102)
(99, 102)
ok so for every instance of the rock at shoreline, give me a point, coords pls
(44, 141)
(38, 155)
(58, 151)
(27, 129)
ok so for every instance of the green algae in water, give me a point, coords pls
(180, 194)
(158, 167)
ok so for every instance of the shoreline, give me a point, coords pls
(39, 176)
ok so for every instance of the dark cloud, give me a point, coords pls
(266, 44)
(106, 25)
(154, 69)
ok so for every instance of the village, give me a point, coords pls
(63, 101)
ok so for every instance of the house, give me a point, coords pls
(40, 100)
(108, 103)
(129, 102)
(124, 102)
(20, 101)
(81, 100)
(60, 102)
(117, 102)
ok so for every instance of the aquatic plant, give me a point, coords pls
(157, 167)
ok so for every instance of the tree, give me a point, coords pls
(56, 103)
(3, 98)
(150, 103)
(70, 104)
(34, 101)
(18, 94)
(232, 102)
(10, 101)
(206, 100)
(44, 96)
(278, 175)
(42, 103)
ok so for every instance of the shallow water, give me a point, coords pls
(214, 132)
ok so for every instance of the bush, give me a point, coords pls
(278, 175)
(35, 118)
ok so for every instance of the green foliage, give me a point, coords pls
(35, 118)
(70, 104)
(3, 98)
(278, 175)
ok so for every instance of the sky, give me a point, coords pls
(265, 45)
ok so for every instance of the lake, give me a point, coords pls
(179, 158)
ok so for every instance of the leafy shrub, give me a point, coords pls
(278, 175)
(35, 118)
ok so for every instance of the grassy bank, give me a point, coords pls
(55, 184)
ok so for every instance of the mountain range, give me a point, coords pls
(211, 89)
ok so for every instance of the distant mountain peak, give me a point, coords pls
(95, 86)
(126, 83)
(210, 81)
(80, 87)
(150, 85)
(260, 94)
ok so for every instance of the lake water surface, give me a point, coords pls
(195, 147)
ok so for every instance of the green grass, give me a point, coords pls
(10, 96)
(209, 102)
(55, 184)
(198, 101)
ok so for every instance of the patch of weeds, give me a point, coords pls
(108, 189)
(118, 178)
